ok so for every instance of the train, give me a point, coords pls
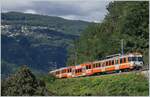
(111, 63)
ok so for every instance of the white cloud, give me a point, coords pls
(88, 10)
(30, 11)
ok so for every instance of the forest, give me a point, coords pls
(127, 21)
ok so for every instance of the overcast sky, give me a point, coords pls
(87, 10)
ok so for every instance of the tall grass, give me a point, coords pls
(110, 85)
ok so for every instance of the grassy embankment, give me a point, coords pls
(124, 85)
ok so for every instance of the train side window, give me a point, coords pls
(120, 60)
(95, 65)
(103, 64)
(80, 70)
(125, 60)
(76, 71)
(99, 65)
(70, 70)
(112, 62)
(106, 63)
(89, 66)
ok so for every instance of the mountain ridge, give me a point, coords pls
(40, 43)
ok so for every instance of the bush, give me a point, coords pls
(119, 85)
(23, 83)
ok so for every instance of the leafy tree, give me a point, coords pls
(23, 83)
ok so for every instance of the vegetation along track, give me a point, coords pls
(144, 71)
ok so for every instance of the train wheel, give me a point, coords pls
(118, 71)
(126, 70)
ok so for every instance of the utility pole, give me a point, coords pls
(75, 52)
(122, 46)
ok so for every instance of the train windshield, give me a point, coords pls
(135, 59)
(140, 58)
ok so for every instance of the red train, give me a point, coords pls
(109, 64)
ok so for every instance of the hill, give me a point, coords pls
(131, 84)
(126, 21)
(38, 41)
(74, 27)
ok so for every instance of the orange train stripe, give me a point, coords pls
(96, 70)
(110, 68)
(123, 66)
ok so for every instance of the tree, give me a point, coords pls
(23, 83)
(125, 20)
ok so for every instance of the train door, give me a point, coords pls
(117, 63)
(103, 65)
(73, 72)
(89, 70)
(83, 70)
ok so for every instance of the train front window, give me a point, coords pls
(135, 59)
(140, 59)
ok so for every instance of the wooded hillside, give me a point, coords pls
(124, 20)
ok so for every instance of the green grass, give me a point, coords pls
(121, 85)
